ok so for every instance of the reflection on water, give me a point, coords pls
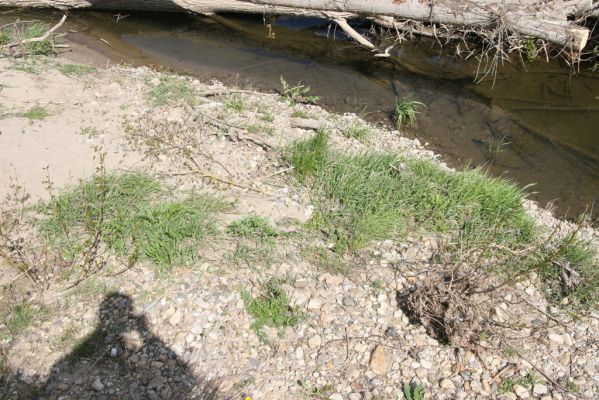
(537, 125)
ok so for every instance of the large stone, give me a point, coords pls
(521, 392)
(378, 360)
(539, 389)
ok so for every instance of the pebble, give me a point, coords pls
(378, 360)
(554, 337)
(521, 391)
(539, 389)
(348, 301)
(97, 385)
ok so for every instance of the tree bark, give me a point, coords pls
(543, 19)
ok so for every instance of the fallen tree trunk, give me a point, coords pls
(543, 19)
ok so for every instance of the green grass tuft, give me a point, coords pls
(129, 214)
(271, 308)
(257, 240)
(358, 131)
(405, 112)
(308, 157)
(19, 318)
(42, 48)
(77, 70)
(170, 233)
(170, 90)
(36, 113)
(253, 227)
(235, 104)
(374, 196)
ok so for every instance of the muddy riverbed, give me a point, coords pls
(535, 123)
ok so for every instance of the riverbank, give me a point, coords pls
(225, 264)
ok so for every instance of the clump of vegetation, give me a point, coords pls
(300, 114)
(90, 132)
(405, 112)
(531, 51)
(257, 239)
(15, 33)
(413, 392)
(19, 317)
(358, 130)
(271, 308)
(326, 259)
(172, 89)
(77, 70)
(379, 195)
(125, 211)
(297, 94)
(36, 113)
(235, 104)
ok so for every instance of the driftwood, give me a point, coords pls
(549, 20)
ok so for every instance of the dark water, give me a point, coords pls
(534, 123)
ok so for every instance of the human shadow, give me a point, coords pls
(123, 359)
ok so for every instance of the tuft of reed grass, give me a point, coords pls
(405, 112)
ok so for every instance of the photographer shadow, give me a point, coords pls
(123, 359)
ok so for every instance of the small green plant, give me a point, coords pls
(297, 94)
(90, 132)
(19, 318)
(29, 67)
(5, 37)
(257, 240)
(172, 89)
(253, 227)
(405, 112)
(413, 391)
(41, 48)
(77, 70)
(271, 308)
(235, 104)
(317, 392)
(506, 385)
(299, 114)
(530, 50)
(268, 117)
(326, 259)
(308, 157)
(36, 113)
(358, 130)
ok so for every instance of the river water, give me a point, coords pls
(534, 123)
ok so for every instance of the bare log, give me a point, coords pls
(544, 19)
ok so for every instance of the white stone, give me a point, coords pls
(539, 389)
(97, 385)
(521, 391)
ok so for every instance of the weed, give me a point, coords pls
(569, 270)
(309, 156)
(260, 129)
(375, 196)
(326, 260)
(67, 338)
(170, 90)
(253, 227)
(297, 94)
(5, 37)
(170, 233)
(317, 392)
(235, 104)
(268, 117)
(41, 48)
(300, 114)
(19, 318)
(77, 70)
(27, 67)
(90, 132)
(506, 385)
(36, 113)
(119, 208)
(358, 131)
(258, 240)
(413, 391)
(494, 147)
(271, 308)
(405, 112)
(531, 51)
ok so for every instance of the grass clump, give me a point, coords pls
(36, 113)
(358, 131)
(235, 104)
(257, 239)
(171, 89)
(129, 214)
(19, 318)
(374, 196)
(77, 70)
(405, 111)
(41, 48)
(570, 272)
(271, 308)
